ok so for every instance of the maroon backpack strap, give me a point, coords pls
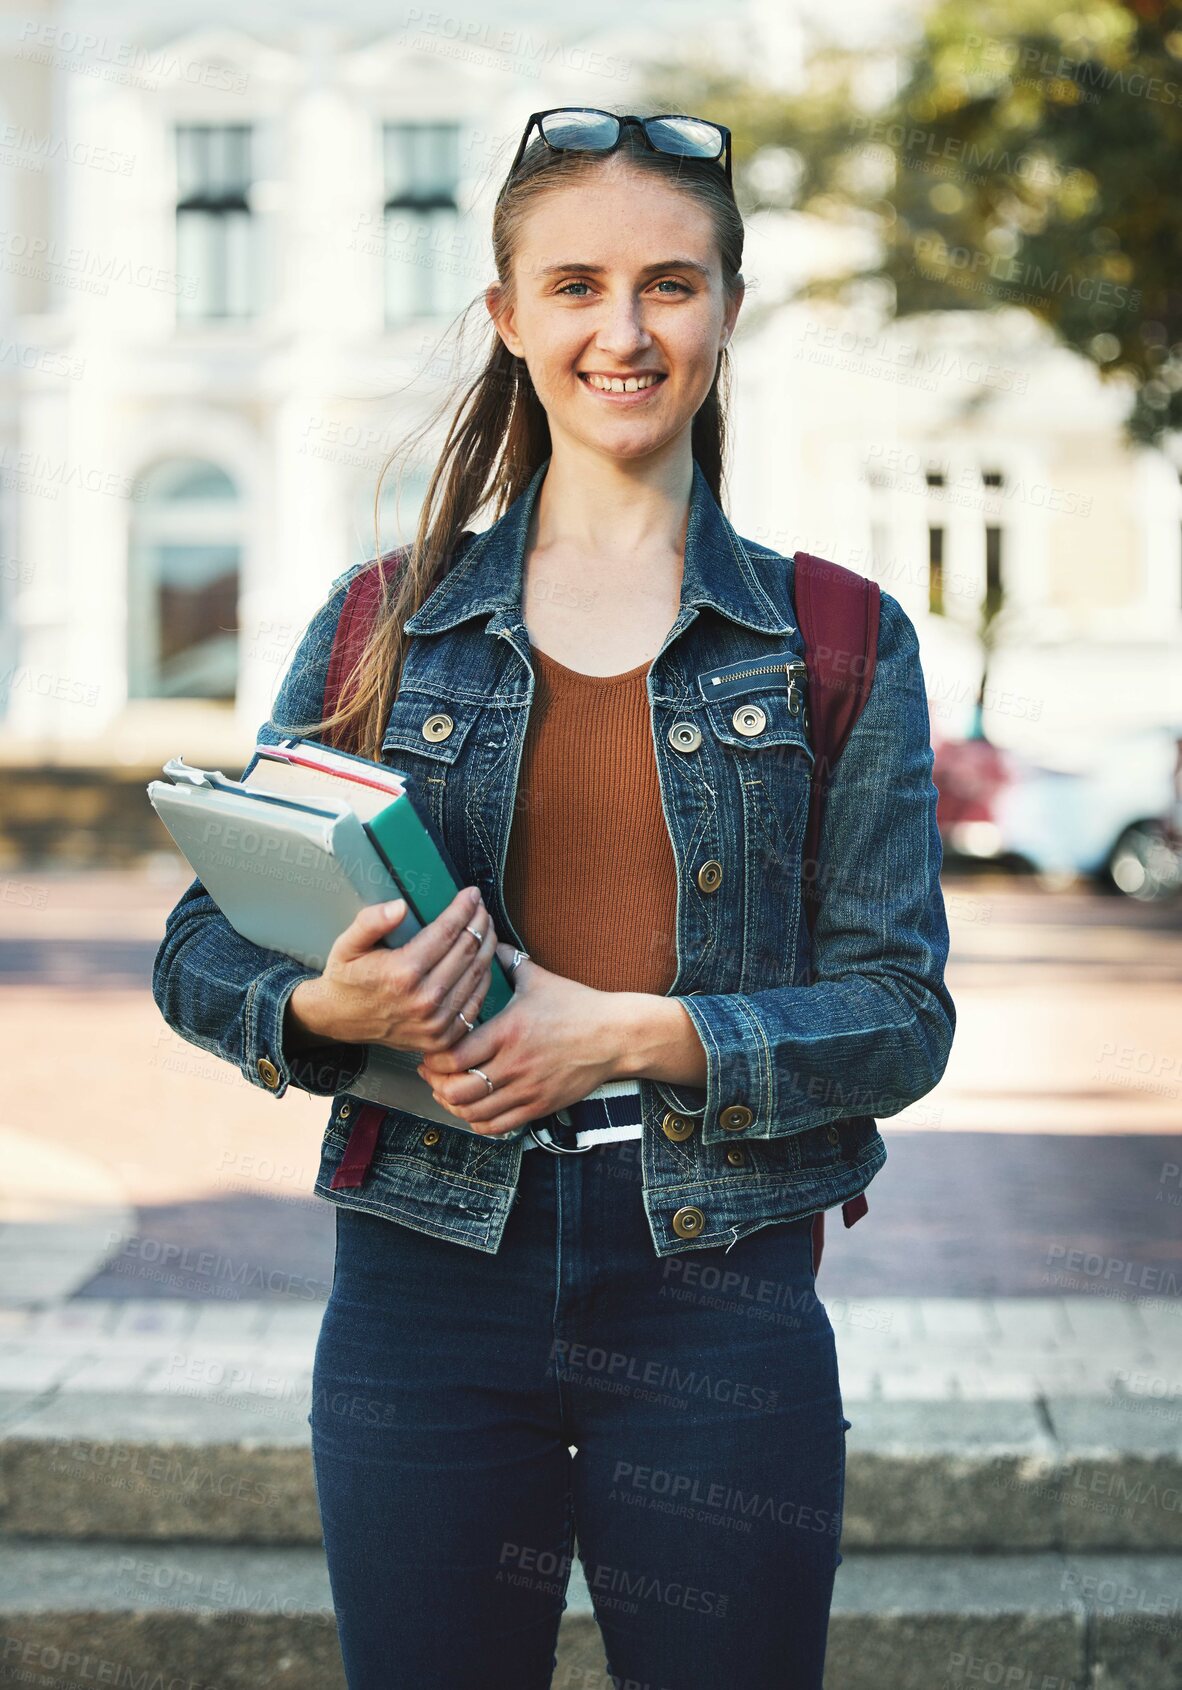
(837, 611)
(363, 1141)
(362, 598)
(360, 606)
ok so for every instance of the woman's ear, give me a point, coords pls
(732, 310)
(502, 317)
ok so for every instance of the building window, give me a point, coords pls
(992, 479)
(993, 586)
(935, 569)
(426, 266)
(935, 480)
(183, 573)
(215, 243)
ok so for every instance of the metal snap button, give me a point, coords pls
(710, 876)
(736, 1157)
(735, 1117)
(689, 1223)
(749, 720)
(432, 1135)
(344, 1111)
(832, 1134)
(267, 1072)
(437, 727)
(684, 736)
(677, 1126)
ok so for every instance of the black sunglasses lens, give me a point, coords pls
(692, 137)
(589, 129)
(580, 128)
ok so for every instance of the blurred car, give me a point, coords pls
(1118, 821)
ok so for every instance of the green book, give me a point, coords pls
(404, 836)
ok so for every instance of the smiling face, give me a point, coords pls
(619, 309)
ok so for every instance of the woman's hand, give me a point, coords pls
(554, 1042)
(410, 997)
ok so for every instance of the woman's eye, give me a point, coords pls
(666, 281)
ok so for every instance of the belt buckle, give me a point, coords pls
(548, 1142)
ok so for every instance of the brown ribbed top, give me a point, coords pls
(590, 880)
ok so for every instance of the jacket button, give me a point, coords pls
(736, 1157)
(736, 1117)
(437, 727)
(688, 1223)
(432, 1135)
(749, 720)
(684, 736)
(344, 1111)
(676, 1126)
(267, 1071)
(710, 876)
(832, 1134)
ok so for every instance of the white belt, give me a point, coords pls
(609, 1113)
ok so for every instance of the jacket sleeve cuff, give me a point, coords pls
(323, 1070)
(740, 1093)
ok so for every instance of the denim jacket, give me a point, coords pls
(802, 1050)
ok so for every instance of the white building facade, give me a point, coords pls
(229, 260)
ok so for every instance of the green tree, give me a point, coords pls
(1023, 154)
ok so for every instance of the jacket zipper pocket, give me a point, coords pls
(796, 672)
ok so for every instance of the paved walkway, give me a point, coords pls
(890, 1348)
(62, 1214)
(1048, 1160)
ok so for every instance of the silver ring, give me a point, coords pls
(518, 958)
(471, 1025)
(484, 1077)
(479, 937)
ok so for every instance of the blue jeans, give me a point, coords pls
(700, 1394)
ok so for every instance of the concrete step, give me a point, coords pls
(968, 1476)
(79, 814)
(161, 1612)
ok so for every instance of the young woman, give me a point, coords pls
(588, 1322)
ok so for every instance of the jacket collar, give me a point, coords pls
(486, 579)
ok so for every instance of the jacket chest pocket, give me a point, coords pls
(760, 739)
(424, 738)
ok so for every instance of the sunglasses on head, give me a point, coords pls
(586, 129)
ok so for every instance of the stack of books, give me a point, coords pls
(294, 851)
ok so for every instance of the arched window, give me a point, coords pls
(183, 573)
